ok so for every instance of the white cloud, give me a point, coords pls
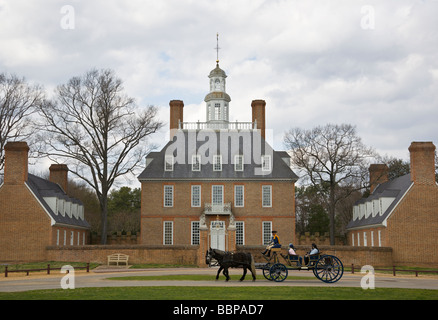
(310, 60)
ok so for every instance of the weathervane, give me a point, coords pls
(217, 48)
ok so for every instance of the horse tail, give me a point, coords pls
(253, 269)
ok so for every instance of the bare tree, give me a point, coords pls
(98, 131)
(18, 101)
(333, 156)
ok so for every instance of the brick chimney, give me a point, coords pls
(258, 114)
(59, 174)
(16, 162)
(378, 175)
(176, 115)
(422, 162)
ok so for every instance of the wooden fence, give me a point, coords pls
(48, 269)
(394, 270)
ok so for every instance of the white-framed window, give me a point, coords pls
(168, 232)
(168, 196)
(352, 239)
(217, 194)
(65, 237)
(72, 236)
(239, 195)
(240, 233)
(358, 239)
(196, 196)
(266, 196)
(196, 162)
(372, 238)
(195, 232)
(379, 236)
(266, 232)
(79, 238)
(266, 163)
(168, 163)
(217, 162)
(238, 162)
(365, 240)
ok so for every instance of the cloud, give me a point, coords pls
(312, 61)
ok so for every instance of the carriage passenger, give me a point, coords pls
(275, 243)
(292, 250)
(293, 256)
(313, 251)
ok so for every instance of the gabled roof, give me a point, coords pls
(394, 189)
(232, 143)
(42, 188)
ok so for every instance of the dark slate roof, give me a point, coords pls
(43, 188)
(183, 150)
(395, 188)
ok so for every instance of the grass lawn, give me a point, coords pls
(223, 293)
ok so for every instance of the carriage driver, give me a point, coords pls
(275, 243)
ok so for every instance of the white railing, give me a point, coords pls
(210, 208)
(217, 125)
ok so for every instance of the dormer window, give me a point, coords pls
(217, 163)
(196, 162)
(238, 162)
(168, 163)
(266, 163)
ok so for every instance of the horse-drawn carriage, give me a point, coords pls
(327, 268)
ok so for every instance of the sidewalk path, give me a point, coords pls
(98, 278)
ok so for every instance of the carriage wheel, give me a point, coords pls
(328, 269)
(278, 272)
(266, 272)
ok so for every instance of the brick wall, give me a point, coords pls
(413, 229)
(195, 255)
(25, 228)
(138, 254)
(323, 239)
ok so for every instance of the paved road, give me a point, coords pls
(99, 279)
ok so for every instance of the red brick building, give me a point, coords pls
(34, 212)
(401, 213)
(217, 183)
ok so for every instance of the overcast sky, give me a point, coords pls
(372, 64)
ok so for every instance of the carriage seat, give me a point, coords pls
(314, 258)
(294, 259)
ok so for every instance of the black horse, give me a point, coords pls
(227, 260)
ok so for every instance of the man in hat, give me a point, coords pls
(275, 243)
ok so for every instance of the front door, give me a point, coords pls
(217, 235)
